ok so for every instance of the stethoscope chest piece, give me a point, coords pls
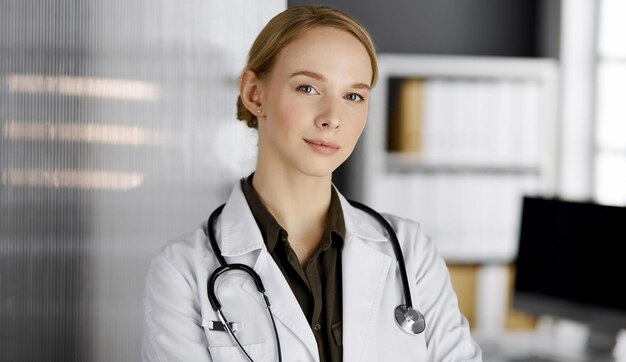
(409, 320)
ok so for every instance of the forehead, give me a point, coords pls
(329, 51)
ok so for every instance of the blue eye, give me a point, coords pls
(305, 88)
(355, 97)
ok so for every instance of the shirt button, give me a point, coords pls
(317, 327)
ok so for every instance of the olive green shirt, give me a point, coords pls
(317, 285)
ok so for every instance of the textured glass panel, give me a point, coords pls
(117, 133)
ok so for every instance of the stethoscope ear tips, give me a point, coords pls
(409, 320)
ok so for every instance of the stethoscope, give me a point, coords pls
(407, 318)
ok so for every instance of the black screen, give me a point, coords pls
(572, 261)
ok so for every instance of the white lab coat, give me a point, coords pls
(178, 313)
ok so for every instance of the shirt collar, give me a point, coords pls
(239, 234)
(335, 229)
(269, 227)
(272, 231)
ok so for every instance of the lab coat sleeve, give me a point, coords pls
(172, 319)
(447, 332)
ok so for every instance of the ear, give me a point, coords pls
(250, 89)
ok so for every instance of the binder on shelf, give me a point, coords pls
(473, 123)
(466, 136)
(407, 119)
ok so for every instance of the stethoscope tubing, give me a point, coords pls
(392, 235)
(407, 318)
(224, 267)
(395, 243)
(211, 232)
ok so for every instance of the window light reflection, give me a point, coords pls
(84, 86)
(79, 179)
(612, 29)
(77, 132)
(611, 178)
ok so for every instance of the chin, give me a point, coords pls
(319, 169)
(318, 172)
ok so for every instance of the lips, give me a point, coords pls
(323, 147)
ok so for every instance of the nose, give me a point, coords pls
(330, 123)
(330, 117)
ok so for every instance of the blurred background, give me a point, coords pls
(118, 133)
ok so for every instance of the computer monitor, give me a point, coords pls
(571, 264)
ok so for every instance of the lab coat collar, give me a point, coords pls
(240, 234)
(358, 223)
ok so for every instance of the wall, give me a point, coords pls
(117, 133)
(525, 28)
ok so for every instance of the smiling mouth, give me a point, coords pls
(323, 147)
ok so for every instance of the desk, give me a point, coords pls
(532, 347)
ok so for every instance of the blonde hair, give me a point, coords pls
(287, 26)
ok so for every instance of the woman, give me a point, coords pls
(328, 268)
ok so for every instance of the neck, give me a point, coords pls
(300, 204)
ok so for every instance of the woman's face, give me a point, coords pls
(314, 103)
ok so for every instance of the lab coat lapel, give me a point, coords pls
(365, 271)
(241, 240)
(284, 304)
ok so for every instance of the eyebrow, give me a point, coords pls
(321, 78)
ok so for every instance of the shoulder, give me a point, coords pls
(411, 233)
(403, 224)
(364, 224)
(185, 246)
(416, 245)
(173, 300)
(186, 256)
(412, 236)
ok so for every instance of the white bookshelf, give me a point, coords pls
(494, 139)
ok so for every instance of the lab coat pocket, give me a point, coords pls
(257, 351)
(222, 347)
